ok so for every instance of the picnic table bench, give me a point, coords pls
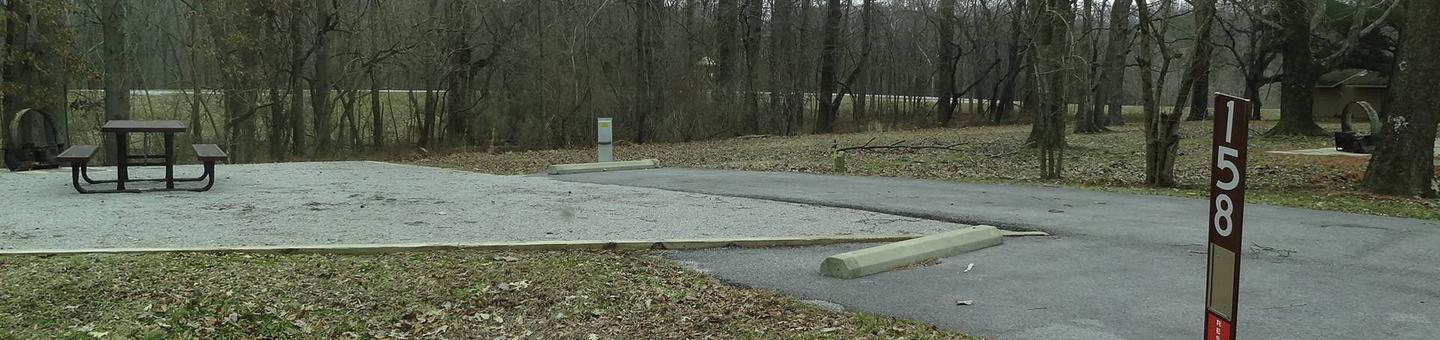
(79, 157)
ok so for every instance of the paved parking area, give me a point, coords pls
(1119, 266)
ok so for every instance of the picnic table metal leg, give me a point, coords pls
(169, 160)
(122, 151)
(75, 173)
(209, 176)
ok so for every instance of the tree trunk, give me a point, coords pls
(296, 86)
(239, 127)
(275, 134)
(945, 62)
(117, 69)
(1200, 98)
(348, 99)
(1088, 119)
(458, 74)
(1162, 135)
(783, 64)
(377, 119)
(428, 116)
(750, 122)
(275, 63)
(829, 60)
(1014, 63)
(727, 20)
(1200, 61)
(1111, 82)
(322, 83)
(1297, 116)
(1252, 90)
(197, 130)
(648, 100)
(6, 141)
(804, 67)
(1110, 91)
(1404, 159)
(862, 85)
(1050, 75)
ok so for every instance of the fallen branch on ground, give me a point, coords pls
(900, 145)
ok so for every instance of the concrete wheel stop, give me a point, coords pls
(566, 169)
(882, 258)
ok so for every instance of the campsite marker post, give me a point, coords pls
(1227, 211)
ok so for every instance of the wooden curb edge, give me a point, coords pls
(363, 249)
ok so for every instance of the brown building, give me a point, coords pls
(1336, 89)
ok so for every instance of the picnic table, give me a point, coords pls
(79, 155)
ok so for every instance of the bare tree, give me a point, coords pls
(1050, 75)
(1162, 133)
(829, 65)
(193, 42)
(238, 51)
(1163, 138)
(278, 118)
(1404, 161)
(862, 90)
(786, 100)
(1088, 119)
(945, 62)
(1111, 78)
(1200, 60)
(372, 66)
(1015, 60)
(649, 98)
(1297, 116)
(1250, 47)
(727, 21)
(753, 22)
(321, 83)
(296, 69)
(117, 69)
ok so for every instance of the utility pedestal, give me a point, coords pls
(605, 141)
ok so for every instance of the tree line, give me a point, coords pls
(277, 80)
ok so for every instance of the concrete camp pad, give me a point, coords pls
(565, 169)
(1332, 152)
(881, 258)
(1320, 152)
(369, 203)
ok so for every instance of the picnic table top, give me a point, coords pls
(143, 126)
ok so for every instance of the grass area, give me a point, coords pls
(1111, 161)
(458, 294)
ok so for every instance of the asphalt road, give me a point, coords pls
(1118, 266)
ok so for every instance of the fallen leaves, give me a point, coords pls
(506, 258)
(456, 294)
(513, 286)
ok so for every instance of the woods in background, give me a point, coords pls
(277, 80)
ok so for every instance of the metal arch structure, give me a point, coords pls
(22, 153)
